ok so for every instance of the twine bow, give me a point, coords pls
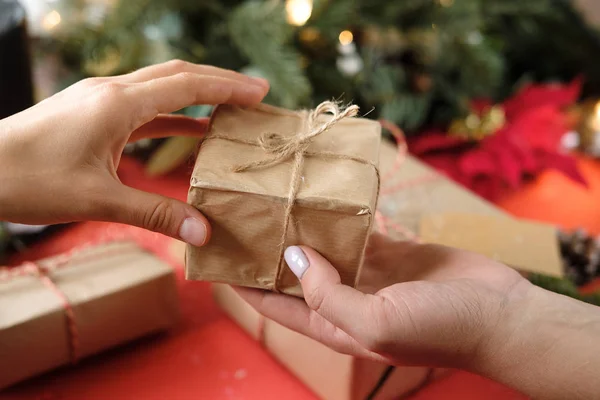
(282, 148)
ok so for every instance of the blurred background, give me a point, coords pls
(501, 96)
(492, 93)
(415, 62)
(446, 65)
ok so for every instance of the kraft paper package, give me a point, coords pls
(332, 209)
(61, 309)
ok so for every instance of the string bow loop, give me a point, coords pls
(282, 147)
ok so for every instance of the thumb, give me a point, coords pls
(160, 214)
(343, 306)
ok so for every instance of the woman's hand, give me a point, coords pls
(443, 308)
(59, 159)
(449, 308)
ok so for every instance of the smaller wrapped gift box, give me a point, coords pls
(330, 375)
(256, 212)
(61, 309)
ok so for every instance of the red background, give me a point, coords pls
(208, 357)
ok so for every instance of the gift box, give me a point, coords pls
(416, 203)
(267, 178)
(56, 311)
(330, 375)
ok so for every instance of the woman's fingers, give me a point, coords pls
(156, 213)
(354, 312)
(347, 308)
(293, 313)
(172, 93)
(171, 125)
(174, 67)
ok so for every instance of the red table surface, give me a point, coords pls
(207, 356)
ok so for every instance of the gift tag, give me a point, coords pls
(524, 245)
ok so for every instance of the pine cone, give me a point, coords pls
(581, 256)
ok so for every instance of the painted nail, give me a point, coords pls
(193, 231)
(262, 82)
(296, 260)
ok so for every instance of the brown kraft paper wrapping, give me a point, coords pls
(117, 291)
(441, 211)
(524, 245)
(333, 211)
(408, 204)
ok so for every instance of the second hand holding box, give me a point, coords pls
(268, 178)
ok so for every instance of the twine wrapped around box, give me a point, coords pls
(44, 273)
(30, 268)
(281, 148)
(305, 184)
(384, 222)
(89, 300)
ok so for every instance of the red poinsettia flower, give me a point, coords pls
(528, 143)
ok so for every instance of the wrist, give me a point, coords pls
(13, 146)
(538, 342)
(513, 320)
(4, 189)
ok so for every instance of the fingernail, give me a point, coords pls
(262, 82)
(296, 260)
(193, 231)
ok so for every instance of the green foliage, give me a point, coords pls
(333, 16)
(564, 287)
(261, 33)
(465, 48)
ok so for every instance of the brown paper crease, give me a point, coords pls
(333, 212)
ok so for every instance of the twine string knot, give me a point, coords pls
(283, 147)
